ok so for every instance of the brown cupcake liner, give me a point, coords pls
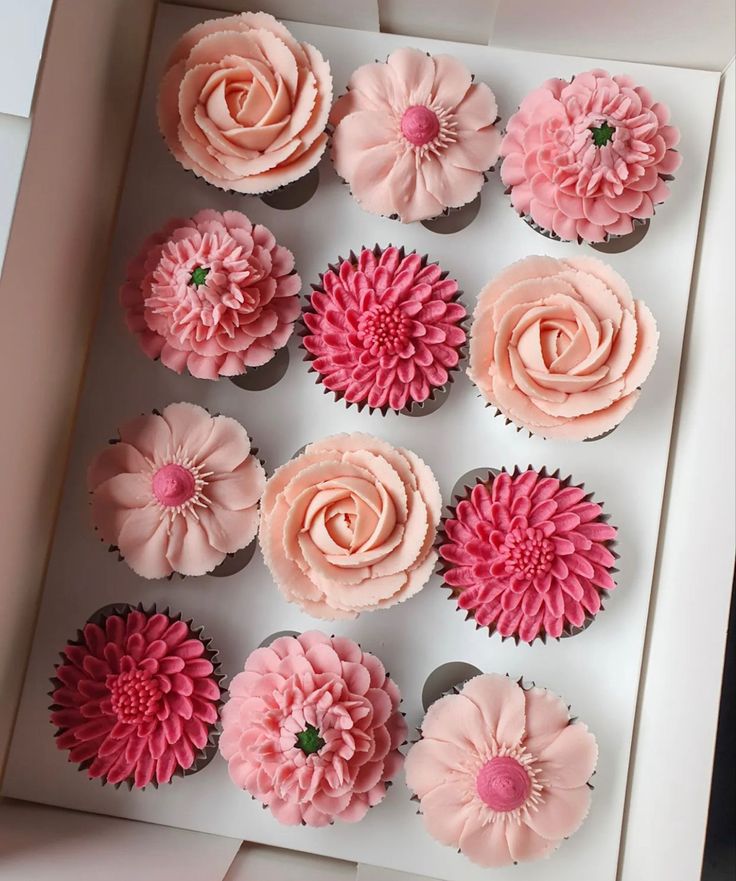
(519, 428)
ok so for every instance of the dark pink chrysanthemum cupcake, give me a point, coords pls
(528, 555)
(385, 329)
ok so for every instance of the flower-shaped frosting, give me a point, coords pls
(312, 729)
(384, 329)
(136, 698)
(244, 105)
(414, 135)
(213, 294)
(583, 159)
(178, 492)
(348, 525)
(528, 555)
(501, 771)
(560, 347)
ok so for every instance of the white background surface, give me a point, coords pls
(597, 671)
(24, 24)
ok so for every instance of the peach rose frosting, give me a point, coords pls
(501, 771)
(560, 347)
(243, 104)
(348, 526)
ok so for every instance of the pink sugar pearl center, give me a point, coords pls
(503, 784)
(173, 485)
(529, 552)
(385, 327)
(135, 696)
(419, 125)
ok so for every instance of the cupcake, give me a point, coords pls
(312, 729)
(528, 555)
(214, 295)
(348, 526)
(136, 697)
(586, 159)
(501, 772)
(244, 105)
(177, 492)
(413, 136)
(384, 329)
(560, 347)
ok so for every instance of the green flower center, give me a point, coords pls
(602, 134)
(309, 740)
(199, 275)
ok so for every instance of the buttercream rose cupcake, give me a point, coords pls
(136, 697)
(560, 347)
(528, 555)
(415, 135)
(384, 329)
(501, 771)
(177, 492)
(244, 105)
(214, 295)
(348, 526)
(312, 729)
(586, 159)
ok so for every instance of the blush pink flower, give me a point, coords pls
(528, 555)
(243, 104)
(385, 329)
(178, 492)
(584, 159)
(136, 698)
(312, 729)
(214, 295)
(348, 526)
(414, 135)
(501, 772)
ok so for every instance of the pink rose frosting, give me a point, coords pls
(528, 555)
(136, 698)
(560, 347)
(385, 328)
(178, 492)
(348, 526)
(244, 105)
(583, 159)
(414, 135)
(312, 729)
(501, 771)
(213, 294)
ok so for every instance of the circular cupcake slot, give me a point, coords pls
(445, 678)
(469, 480)
(432, 404)
(258, 379)
(295, 194)
(234, 563)
(277, 635)
(619, 244)
(455, 220)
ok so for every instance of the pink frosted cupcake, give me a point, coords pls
(348, 526)
(414, 136)
(586, 159)
(136, 698)
(501, 772)
(560, 347)
(244, 105)
(528, 555)
(312, 729)
(214, 295)
(385, 329)
(178, 491)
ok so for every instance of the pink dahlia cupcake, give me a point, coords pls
(214, 295)
(501, 772)
(528, 555)
(244, 105)
(414, 136)
(586, 159)
(136, 697)
(560, 347)
(385, 329)
(348, 526)
(177, 492)
(312, 729)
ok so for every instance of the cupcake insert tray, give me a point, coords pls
(596, 671)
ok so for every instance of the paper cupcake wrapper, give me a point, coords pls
(508, 421)
(444, 566)
(205, 755)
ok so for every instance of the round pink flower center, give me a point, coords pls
(419, 125)
(503, 784)
(528, 552)
(385, 327)
(135, 696)
(174, 485)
